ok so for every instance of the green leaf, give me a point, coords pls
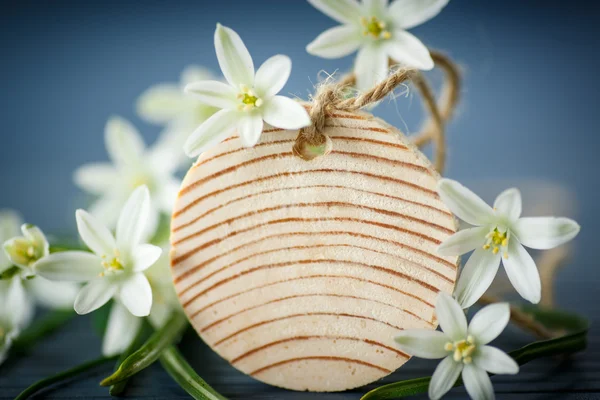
(10, 272)
(151, 350)
(574, 340)
(174, 363)
(118, 388)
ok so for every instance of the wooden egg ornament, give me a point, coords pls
(301, 273)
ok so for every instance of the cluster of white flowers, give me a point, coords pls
(140, 184)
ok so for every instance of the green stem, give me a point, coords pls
(150, 351)
(43, 327)
(63, 376)
(118, 388)
(570, 343)
(174, 363)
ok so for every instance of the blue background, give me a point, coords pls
(529, 109)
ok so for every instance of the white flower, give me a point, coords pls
(499, 234)
(463, 349)
(10, 221)
(248, 99)
(167, 104)
(165, 300)
(132, 165)
(15, 314)
(378, 32)
(115, 268)
(23, 252)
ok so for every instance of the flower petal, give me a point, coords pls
(336, 42)
(377, 8)
(463, 241)
(489, 322)
(234, 58)
(136, 295)
(214, 93)
(108, 207)
(121, 329)
(194, 73)
(161, 103)
(10, 221)
(144, 256)
(545, 232)
(423, 343)
(451, 317)
(250, 128)
(478, 383)
(94, 234)
(285, 113)
(477, 275)
(371, 66)
(495, 361)
(272, 76)
(123, 142)
(49, 294)
(214, 130)
(409, 51)
(15, 306)
(522, 272)
(509, 204)
(95, 178)
(94, 295)
(465, 204)
(77, 266)
(343, 11)
(133, 219)
(407, 14)
(444, 377)
(36, 237)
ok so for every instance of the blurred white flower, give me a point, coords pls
(115, 268)
(10, 221)
(165, 300)
(132, 165)
(463, 349)
(378, 31)
(15, 314)
(248, 99)
(23, 252)
(499, 234)
(168, 105)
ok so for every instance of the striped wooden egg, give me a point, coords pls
(301, 273)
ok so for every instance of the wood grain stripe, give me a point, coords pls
(208, 306)
(282, 156)
(270, 321)
(328, 204)
(220, 321)
(179, 278)
(324, 358)
(301, 338)
(289, 248)
(319, 261)
(315, 171)
(285, 189)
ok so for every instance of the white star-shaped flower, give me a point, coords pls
(463, 348)
(180, 113)
(15, 314)
(132, 165)
(378, 31)
(23, 252)
(247, 101)
(115, 269)
(499, 234)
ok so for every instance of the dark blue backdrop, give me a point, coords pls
(529, 110)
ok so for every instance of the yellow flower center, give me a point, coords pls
(462, 350)
(496, 240)
(375, 28)
(249, 100)
(112, 265)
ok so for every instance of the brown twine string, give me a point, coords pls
(311, 142)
